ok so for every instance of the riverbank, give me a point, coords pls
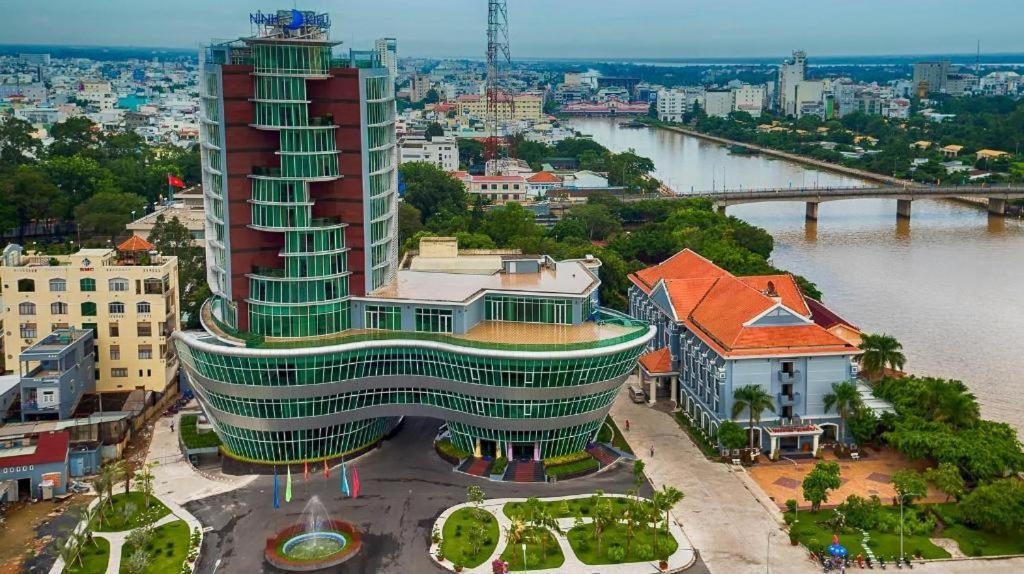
(796, 158)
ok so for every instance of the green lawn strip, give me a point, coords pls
(167, 550)
(610, 433)
(572, 468)
(94, 558)
(583, 543)
(456, 543)
(697, 436)
(974, 542)
(535, 557)
(566, 508)
(191, 436)
(114, 519)
(811, 533)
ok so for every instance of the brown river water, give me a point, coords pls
(949, 284)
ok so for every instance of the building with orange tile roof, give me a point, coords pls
(718, 333)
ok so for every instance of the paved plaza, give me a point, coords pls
(869, 476)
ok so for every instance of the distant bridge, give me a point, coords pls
(997, 196)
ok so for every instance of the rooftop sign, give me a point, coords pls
(291, 19)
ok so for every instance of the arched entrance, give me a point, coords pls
(831, 432)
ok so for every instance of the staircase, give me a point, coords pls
(476, 466)
(603, 454)
(525, 471)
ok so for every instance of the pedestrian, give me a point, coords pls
(627, 424)
(172, 425)
(652, 451)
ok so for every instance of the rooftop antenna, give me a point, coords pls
(977, 61)
(499, 59)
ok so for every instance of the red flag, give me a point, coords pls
(174, 181)
(327, 470)
(305, 470)
(355, 483)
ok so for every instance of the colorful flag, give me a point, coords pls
(305, 470)
(288, 486)
(344, 480)
(327, 470)
(277, 494)
(174, 181)
(355, 483)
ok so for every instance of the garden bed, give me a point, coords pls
(973, 542)
(567, 508)
(115, 519)
(94, 558)
(456, 540)
(610, 433)
(696, 435)
(539, 555)
(448, 451)
(167, 550)
(613, 544)
(192, 438)
(573, 469)
(815, 535)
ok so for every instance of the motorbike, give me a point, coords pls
(908, 562)
(881, 562)
(898, 563)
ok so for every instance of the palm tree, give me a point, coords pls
(880, 351)
(755, 400)
(603, 518)
(663, 501)
(957, 408)
(846, 399)
(543, 522)
(99, 484)
(515, 533)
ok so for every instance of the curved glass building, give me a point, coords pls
(317, 339)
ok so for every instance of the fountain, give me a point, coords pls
(315, 542)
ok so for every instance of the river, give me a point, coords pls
(949, 284)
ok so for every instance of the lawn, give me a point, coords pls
(641, 549)
(168, 549)
(536, 559)
(191, 436)
(456, 543)
(94, 558)
(566, 508)
(129, 511)
(975, 542)
(811, 533)
(610, 433)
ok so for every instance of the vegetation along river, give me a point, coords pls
(949, 284)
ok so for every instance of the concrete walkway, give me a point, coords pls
(682, 558)
(733, 531)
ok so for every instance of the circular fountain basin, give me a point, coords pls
(314, 545)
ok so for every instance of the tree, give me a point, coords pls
(430, 189)
(28, 195)
(996, 507)
(880, 351)
(910, 485)
(475, 496)
(173, 239)
(471, 152)
(664, 500)
(510, 222)
(74, 136)
(755, 400)
(544, 521)
(78, 178)
(433, 129)
(107, 213)
(731, 435)
(597, 221)
(630, 170)
(863, 425)
(947, 478)
(99, 484)
(431, 97)
(146, 478)
(17, 144)
(822, 478)
(410, 222)
(138, 561)
(603, 517)
(638, 472)
(845, 398)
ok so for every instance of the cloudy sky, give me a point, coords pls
(553, 28)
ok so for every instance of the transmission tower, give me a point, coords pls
(499, 59)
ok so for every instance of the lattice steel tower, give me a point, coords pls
(500, 103)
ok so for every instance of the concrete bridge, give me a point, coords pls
(997, 196)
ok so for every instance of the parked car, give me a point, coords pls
(637, 394)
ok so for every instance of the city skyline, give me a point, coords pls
(613, 30)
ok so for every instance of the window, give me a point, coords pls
(433, 320)
(528, 309)
(142, 308)
(26, 308)
(57, 326)
(118, 373)
(145, 329)
(26, 286)
(58, 308)
(154, 286)
(116, 308)
(383, 317)
(28, 330)
(88, 309)
(115, 330)
(115, 353)
(58, 285)
(145, 351)
(87, 284)
(118, 284)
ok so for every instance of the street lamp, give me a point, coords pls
(767, 550)
(901, 524)
(524, 554)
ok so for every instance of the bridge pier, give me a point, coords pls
(903, 208)
(996, 206)
(811, 213)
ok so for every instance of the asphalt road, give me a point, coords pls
(405, 486)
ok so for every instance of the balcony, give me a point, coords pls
(788, 400)
(794, 377)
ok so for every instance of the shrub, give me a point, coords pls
(791, 505)
(499, 466)
(191, 436)
(446, 447)
(574, 468)
(616, 553)
(567, 458)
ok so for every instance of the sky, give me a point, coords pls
(552, 28)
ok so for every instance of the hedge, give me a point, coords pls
(499, 466)
(191, 436)
(573, 469)
(567, 458)
(448, 450)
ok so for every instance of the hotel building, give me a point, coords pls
(317, 340)
(717, 333)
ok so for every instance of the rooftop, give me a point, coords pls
(559, 278)
(56, 342)
(49, 447)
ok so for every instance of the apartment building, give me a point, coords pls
(526, 107)
(128, 297)
(442, 151)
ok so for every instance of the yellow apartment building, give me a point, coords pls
(128, 298)
(527, 107)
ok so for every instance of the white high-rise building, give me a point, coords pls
(672, 104)
(791, 73)
(387, 48)
(749, 99)
(718, 103)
